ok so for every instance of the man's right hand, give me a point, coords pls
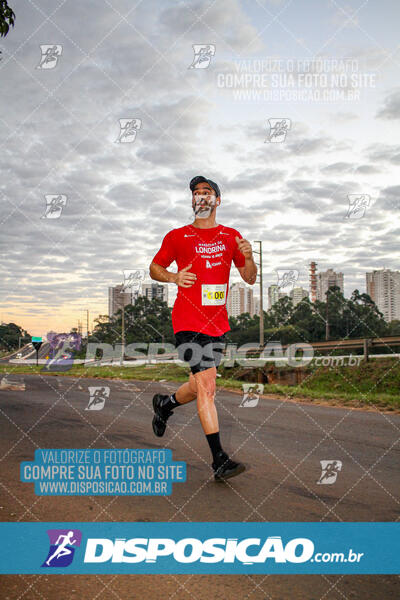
(184, 278)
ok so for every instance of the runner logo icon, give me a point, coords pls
(62, 547)
(330, 470)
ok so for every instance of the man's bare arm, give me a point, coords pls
(183, 278)
(249, 272)
(158, 273)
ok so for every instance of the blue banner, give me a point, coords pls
(200, 547)
(103, 472)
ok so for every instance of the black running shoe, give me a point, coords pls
(161, 415)
(224, 467)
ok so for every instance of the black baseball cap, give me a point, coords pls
(201, 179)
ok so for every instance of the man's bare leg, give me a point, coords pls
(223, 466)
(206, 386)
(187, 392)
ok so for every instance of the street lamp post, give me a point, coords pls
(123, 328)
(327, 316)
(261, 295)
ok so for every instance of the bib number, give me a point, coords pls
(213, 294)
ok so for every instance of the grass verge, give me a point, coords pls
(357, 387)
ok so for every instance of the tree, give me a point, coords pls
(303, 317)
(7, 18)
(145, 321)
(394, 327)
(366, 320)
(105, 330)
(281, 312)
(336, 304)
(10, 334)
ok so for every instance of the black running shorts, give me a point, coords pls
(200, 350)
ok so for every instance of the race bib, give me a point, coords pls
(213, 293)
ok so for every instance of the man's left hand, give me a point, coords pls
(244, 247)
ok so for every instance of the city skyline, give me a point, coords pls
(61, 129)
(253, 298)
(147, 282)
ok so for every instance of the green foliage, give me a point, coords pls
(394, 327)
(355, 317)
(150, 321)
(145, 321)
(380, 375)
(370, 384)
(9, 336)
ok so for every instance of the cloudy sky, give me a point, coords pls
(60, 128)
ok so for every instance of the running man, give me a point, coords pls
(203, 251)
(62, 549)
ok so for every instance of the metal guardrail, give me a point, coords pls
(350, 344)
(231, 352)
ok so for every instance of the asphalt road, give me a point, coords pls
(281, 442)
(27, 352)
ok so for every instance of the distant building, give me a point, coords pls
(155, 290)
(249, 305)
(240, 300)
(384, 288)
(235, 305)
(172, 294)
(297, 294)
(274, 295)
(327, 279)
(117, 299)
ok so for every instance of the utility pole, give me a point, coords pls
(327, 317)
(261, 294)
(87, 324)
(123, 329)
(124, 286)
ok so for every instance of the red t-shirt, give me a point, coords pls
(202, 307)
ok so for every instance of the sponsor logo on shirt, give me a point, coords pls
(210, 265)
(209, 248)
